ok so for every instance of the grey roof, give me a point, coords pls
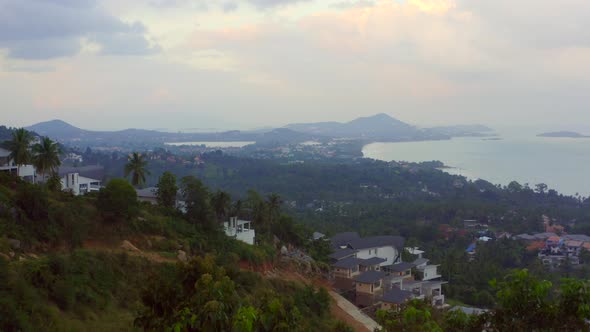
(420, 261)
(377, 241)
(370, 277)
(342, 253)
(373, 261)
(525, 237)
(342, 239)
(397, 296)
(543, 236)
(400, 267)
(149, 192)
(577, 237)
(347, 263)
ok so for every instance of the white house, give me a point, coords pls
(240, 230)
(79, 185)
(27, 172)
(387, 247)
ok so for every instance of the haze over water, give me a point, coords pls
(561, 163)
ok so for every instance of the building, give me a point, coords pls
(147, 195)
(370, 271)
(240, 230)
(79, 185)
(27, 172)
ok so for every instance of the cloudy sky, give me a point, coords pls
(108, 64)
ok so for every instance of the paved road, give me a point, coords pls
(353, 311)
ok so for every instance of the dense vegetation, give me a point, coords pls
(62, 269)
(525, 303)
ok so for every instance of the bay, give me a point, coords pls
(561, 163)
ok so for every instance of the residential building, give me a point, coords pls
(27, 172)
(240, 230)
(79, 185)
(370, 271)
(369, 287)
(147, 195)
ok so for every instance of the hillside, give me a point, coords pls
(379, 126)
(83, 264)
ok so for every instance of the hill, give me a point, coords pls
(563, 134)
(379, 126)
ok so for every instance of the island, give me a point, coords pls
(563, 134)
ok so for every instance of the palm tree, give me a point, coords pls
(46, 157)
(137, 165)
(19, 147)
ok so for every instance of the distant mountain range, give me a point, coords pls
(380, 127)
(564, 134)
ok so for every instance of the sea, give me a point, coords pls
(513, 155)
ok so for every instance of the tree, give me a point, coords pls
(221, 202)
(19, 147)
(46, 157)
(196, 197)
(117, 201)
(137, 165)
(415, 315)
(540, 188)
(166, 190)
(274, 206)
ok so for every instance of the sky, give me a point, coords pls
(182, 64)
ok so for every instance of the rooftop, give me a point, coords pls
(373, 261)
(342, 253)
(377, 241)
(396, 296)
(149, 192)
(342, 239)
(370, 277)
(347, 263)
(420, 261)
(400, 267)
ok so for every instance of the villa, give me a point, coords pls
(370, 271)
(240, 230)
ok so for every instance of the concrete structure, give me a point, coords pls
(147, 195)
(240, 229)
(27, 172)
(79, 185)
(372, 272)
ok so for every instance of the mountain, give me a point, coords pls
(57, 128)
(563, 134)
(63, 131)
(379, 126)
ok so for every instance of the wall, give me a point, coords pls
(388, 252)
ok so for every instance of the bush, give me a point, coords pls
(117, 201)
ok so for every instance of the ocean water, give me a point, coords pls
(561, 163)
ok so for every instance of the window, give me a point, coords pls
(376, 251)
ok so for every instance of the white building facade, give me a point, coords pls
(240, 230)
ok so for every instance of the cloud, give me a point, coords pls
(45, 29)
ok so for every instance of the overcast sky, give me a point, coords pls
(109, 64)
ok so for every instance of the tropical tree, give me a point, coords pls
(19, 147)
(197, 201)
(137, 166)
(46, 157)
(221, 203)
(274, 207)
(167, 190)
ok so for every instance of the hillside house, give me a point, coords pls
(27, 172)
(240, 230)
(372, 269)
(81, 180)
